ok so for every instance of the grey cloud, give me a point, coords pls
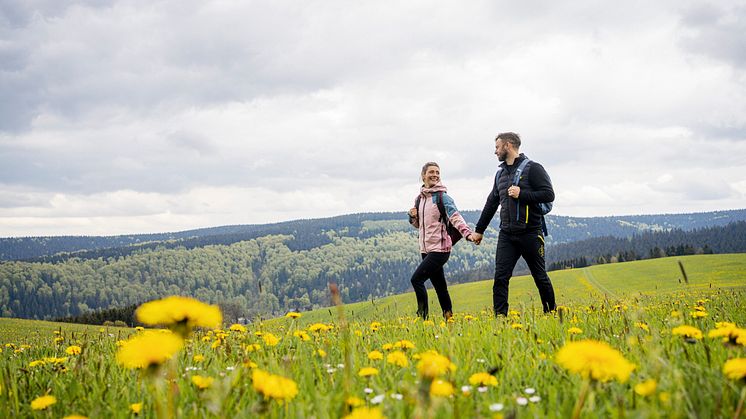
(716, 31)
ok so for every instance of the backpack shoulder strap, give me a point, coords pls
(442, 208)
(519, 170)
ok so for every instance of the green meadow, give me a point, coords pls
(631, 340)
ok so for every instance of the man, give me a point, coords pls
(520, 221)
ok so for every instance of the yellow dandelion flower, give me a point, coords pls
(367, 372)
(216, 344)
(664, 397)
(73, 350)
(235, 327)
(595, 360)
(469, 317)
(428, 323)
(253, 347)
(375, 356)
(440, 388)
(353, 401)
(247, 363)
(37, 363)
(320, 353)
(202, 382)
(646, 387)
(136, 408)
(574, 330)
(270, 339)
(404, 344)
(75, 416)
(643, 326)
(675, 313)
(483, 379)
(433, 364)
(148, 349)
(729, 332)
(358, 333)
(365, 413)
(302, 335)
(292, 315)
(198, 358)
(387, 346)
(43, 402)
(516, 326)
(698, 314)
(687, 332)
(318, 328)
(735, 369)
(175, 311)
(374, 326)
(139, 328)
(273, 386)
(59, 340)
(397, 358)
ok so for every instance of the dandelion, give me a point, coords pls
(374, 326)
(387, 346)
(365, 413)
(574, 330)
(273, 386)
(73, 350)
(469, 318)
(318, 328)
(235, 327)
(397, 358)
(198, 358)
(735, 369)
(404, 344)
(432, 365)
(252, 347)
(697, 314)
(148, 349)
(643, 326)
(292, 315)
(320, 353)
(59, 340)
(729, 332)
(517, 326)
(37, 363)
(688, 332)
(75, 416)
(375, 356)
(428, 323)
(646, 387)
(270, 339)
(43, 402)
(367, 372)
(182, 314)
(353, 401)
(139, 328)
(202, 382)
(483, 379)
(302, 335)
(440, 388)
(595, 360)
(136, 408)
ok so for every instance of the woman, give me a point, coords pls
(435, 243)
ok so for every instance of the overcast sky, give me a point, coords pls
(149, 116)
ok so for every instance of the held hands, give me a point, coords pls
(475, 238)
(514, 191)
(413, 212)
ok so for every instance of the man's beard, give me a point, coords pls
(502, 156)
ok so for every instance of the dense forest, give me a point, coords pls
(271, 274)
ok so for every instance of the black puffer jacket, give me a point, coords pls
(522, 214)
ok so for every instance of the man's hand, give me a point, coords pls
(475, 238)
(413, 212)
(514, 191)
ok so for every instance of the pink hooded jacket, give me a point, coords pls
(433, 236)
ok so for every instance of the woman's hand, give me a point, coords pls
(413, 212)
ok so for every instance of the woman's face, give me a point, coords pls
(431, 176)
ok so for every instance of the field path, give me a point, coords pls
(593, 281)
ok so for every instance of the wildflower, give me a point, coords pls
(735, 369)
(73, 350)
(43, 402)
(522, 401)
(252, 347)
(353, 401)
(75, 416)
(59, 340)
(432, 365)
(483, 379)
(496, 407)
(367, 372)
(375, 355)
(697, 314)
(136, 408)
(270, 339)
(249, 364)
(595, 360)
(428, 323)
(182, 313)
(321, 353)
(374, 326)
(397, 358)
(216, 344)
(529, 391)
(574, 330)
(404, 344)
(689, 332)
(149, 349)
(318, 328)
(378, 399)
(534, 399)
(469, 317)
(664, 397)
(729, 332)
(139, 328)
(235, 327)
(440, 388)
(516, 326)
(466, 390)
(365, 413)
(37, 363)
(387, 346)
(642, 325)
(202, 382)
(646, 387)
(292, 315)
(302, 335)
(274, 386)
(198, 358)
(675, 313)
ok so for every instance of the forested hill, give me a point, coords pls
(308, 234)
(268, 276)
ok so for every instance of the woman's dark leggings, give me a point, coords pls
(431, 268)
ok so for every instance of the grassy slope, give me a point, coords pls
(583, 285)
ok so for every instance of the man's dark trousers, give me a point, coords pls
(510, 247)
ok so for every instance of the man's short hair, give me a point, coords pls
(510, 137)
(428, 164)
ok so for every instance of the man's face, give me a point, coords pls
(431, 176)
(501, 149)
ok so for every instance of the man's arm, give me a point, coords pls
(490, 207)
(541, 186)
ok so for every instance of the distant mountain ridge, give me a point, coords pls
(311, 233)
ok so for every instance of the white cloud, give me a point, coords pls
(142, 117)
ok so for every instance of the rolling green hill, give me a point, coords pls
(585, 285)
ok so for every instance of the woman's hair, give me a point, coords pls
(428, 164)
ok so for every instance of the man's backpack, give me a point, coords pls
(544, 207)
(452, 231)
